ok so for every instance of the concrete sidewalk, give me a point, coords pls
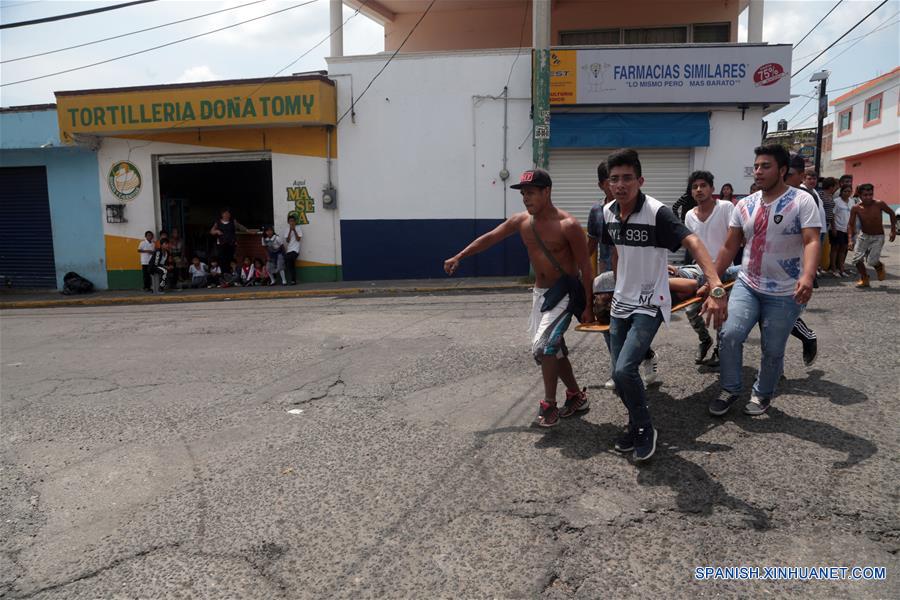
(10, 299)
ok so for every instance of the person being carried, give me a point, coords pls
(558, 251)
(644, 231)
(779, 226)
(871, 237)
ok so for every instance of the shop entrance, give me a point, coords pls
(193, 189)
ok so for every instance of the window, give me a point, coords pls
(701, 33)
(710, 33)
(656, 35)
(844, 121)
(596, 37)
(873, 111)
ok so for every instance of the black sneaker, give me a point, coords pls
(626, 442)
(702, 349)
(714, 359)
(644, 443)
(575, 402)
(722, 404)
(548, 416)
(810, 350)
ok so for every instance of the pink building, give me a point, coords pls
(867, 134)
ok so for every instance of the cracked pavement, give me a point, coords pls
(148, 451)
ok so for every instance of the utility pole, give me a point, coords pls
(822, 78)
(540, 91)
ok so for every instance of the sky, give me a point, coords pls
(263, 47)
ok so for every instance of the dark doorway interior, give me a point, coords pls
(193, 194)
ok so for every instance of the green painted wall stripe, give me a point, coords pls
(125, 280)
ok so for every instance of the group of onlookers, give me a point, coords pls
(164, 265)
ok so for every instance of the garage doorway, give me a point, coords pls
(194, 188)
(26, 234)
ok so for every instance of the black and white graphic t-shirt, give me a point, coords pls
(643, 242)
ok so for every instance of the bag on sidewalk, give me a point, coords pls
(73, 283)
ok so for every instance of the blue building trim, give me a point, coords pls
(417, 249)
(73, 186)
(30, 138)
(629, 130)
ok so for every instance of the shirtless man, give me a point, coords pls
(558, 251)
(871, 238)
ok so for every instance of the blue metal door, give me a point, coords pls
(26, 235)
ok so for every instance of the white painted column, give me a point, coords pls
(337, 32)
(755, 21)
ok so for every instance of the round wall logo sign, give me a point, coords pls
(124, 180)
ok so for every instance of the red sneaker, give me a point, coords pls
(548, 415)
(575, 402)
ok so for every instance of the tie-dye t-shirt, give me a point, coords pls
(773, 252)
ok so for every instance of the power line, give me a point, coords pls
(268, 79)
(521, 39)
(17, 4)
(801, 109)
(835, 57)
(319, 43)
(817, 24)
(115, 37)
(883, 25)
(858, 23)
(73, 15)
(109, 60)
(400, 47)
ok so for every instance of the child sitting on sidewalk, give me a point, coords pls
(260, 274)
(215, 273)
(248, 273)
(199, 273)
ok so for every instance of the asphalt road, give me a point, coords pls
(149, 452)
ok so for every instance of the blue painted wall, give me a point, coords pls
(73, 185)
(417, 248)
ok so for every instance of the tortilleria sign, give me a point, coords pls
(284, 101)
(731, 73)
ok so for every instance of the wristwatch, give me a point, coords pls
(717, 292)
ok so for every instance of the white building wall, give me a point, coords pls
(862, 139)
(427, 142)
(729, 156)
(319, 237)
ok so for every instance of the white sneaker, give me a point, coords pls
(610, 384)
(650, 370)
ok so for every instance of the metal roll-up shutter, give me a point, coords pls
(26, 236)
(574, 174)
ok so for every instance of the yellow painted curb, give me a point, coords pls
(175, 298)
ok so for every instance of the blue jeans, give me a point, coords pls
(630, 339)
(776, 315)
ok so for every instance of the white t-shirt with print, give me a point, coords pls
(145, 256)
(292, 244)
(773, 232)
(714, 230)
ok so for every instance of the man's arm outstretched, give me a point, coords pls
(482, 243)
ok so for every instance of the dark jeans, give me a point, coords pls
(225, 252)
(630, 340)
(290, 266)
(145, 271)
